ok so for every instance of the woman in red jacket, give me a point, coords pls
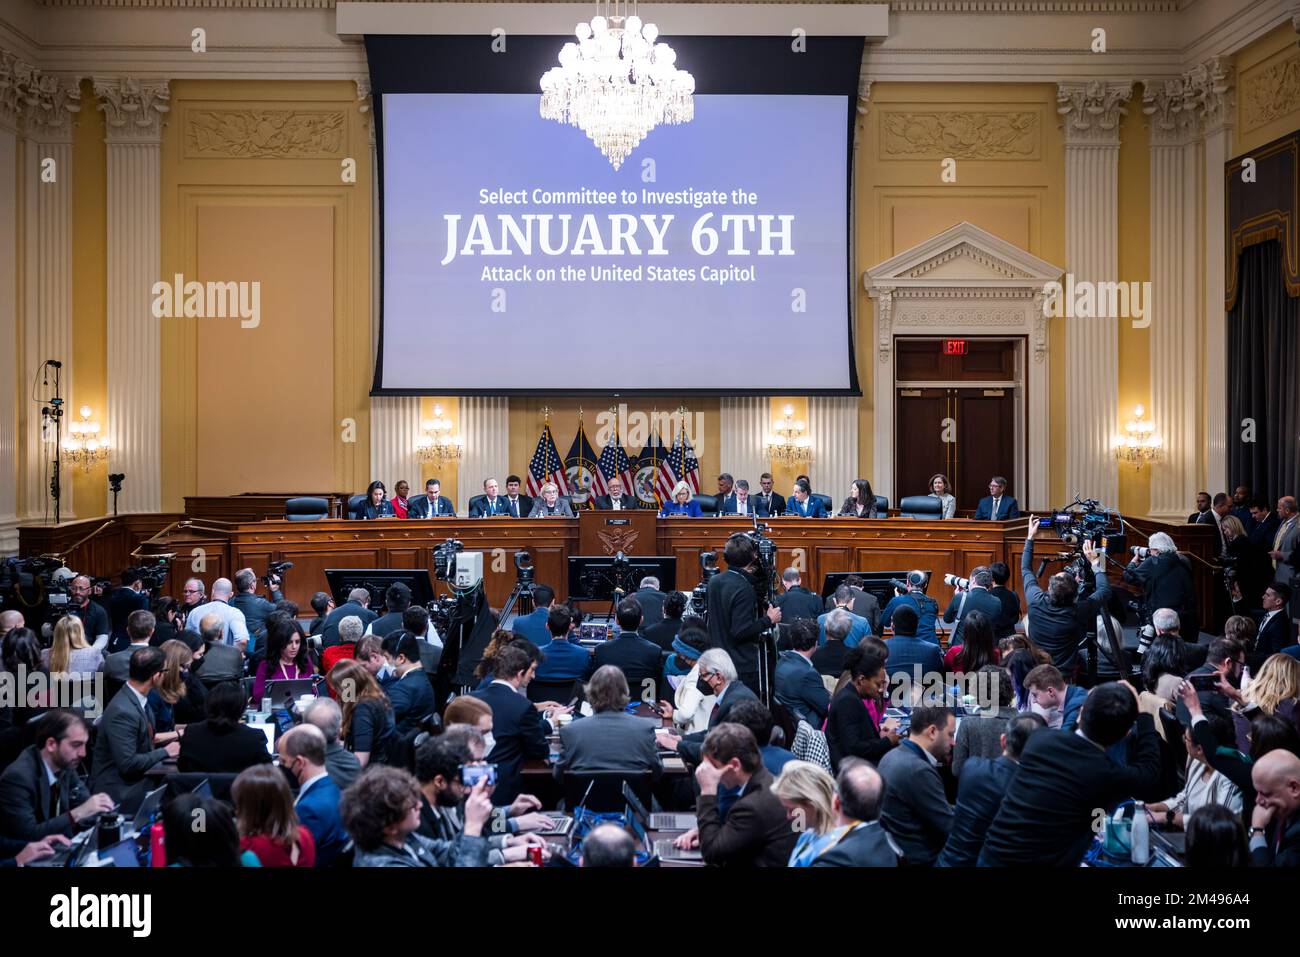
(268, 824)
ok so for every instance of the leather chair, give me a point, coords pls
(411, 502)
(708, 504)
(561, 691)
(306, 509)
(353, 502)
(184, 782)
(606, 794)
(921, 506)
(882, 506)
(827, 504)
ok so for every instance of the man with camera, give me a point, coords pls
(911, 591)
(734, 622)
(94, 619)
(255, 607)
(971, 594)
(1166, 581)
(1058, 618)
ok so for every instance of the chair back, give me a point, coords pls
(921, 506)
(561, 691)
(708, 504)
(606, 794)
(882, 506)
(306, 508)
(827, 505)
(183, 782)
(353, 502)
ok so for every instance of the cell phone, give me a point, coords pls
(472, 774)
(1203, 682)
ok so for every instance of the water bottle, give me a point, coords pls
(1140, 838)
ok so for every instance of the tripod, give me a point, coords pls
(521, 595)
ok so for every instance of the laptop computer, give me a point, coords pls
(69, 855)
(561, 824)
(121, 854)
(658, 821)
(204, 788)
(285, 691)
(149, 807)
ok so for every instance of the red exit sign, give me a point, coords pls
(954, 347)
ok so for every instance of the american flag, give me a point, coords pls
(613, 462)
(692, 465)
(546, 465)
(680, 464)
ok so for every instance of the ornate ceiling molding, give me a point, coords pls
(44, 103)
(133, 109)
(1092, 111)
(964, 134)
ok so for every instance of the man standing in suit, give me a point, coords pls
(1051, 804)
(550, 505)
(641, 661)
(490, 504)
(861, 602)
(734, 622)
(801, 503)
(740, 502)
(358, 604)
(40, 792)
(1284, 539)
(865, 842)
(652, 601)
(130, 597)
(717, 677)
(1241, 500)
(611, 739)
(980, 790)
(518, 730)
(302, 754)
(1275, 821)
(517, 506)
(915, 811)
(533, 625)
(757, 831)
(797, 602)
(798, 685)
(617, 500)
(997, 506)
(124, 748)
(253, 606)
(434, 504)
(1203, 502)
(769, 501)
(1057, 619)
(411, 694)
(1265, 524)
(976, 597)
(1276, 630)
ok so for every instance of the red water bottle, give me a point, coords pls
(157, 849)
(535, 855)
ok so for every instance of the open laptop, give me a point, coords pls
(70, 855)
(659, 820)
(560, 826)
(285, 691)
(663, 847)
(204, 788)
(148, 809)
(121, 854)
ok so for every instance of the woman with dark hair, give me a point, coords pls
(268, 824)
(1017, 642)
(663, 632)
(981, 737)
(941, 489)
(851, 728)
(861, 502)
(286, 656)
(1164, 657)
(20, 652)
(168, 620)
(1215, 838)
(220, 744)
(1018, 664)
(367, 713)
(978, 647)
(375, 504)
(215, 844)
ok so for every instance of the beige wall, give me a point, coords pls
(1268, 89)
(1134, 266)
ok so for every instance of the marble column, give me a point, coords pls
(743, 426)
(47, 277)
(9, 471)
(1091, 112)
(833, 432)
(485, 427)
(133, 112)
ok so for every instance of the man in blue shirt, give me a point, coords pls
(860, 628)
(927, 609)
(533, 626)
(562, 659)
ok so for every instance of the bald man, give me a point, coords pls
(93, 615)
(1275, 822)
(235, 627)
(9, 620)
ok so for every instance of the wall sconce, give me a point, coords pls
(438, 444)
(1140, 444)
(84, 447)
(788, 443)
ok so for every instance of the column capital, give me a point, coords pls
(45, 102)
(1171, 108)
(1092, 110)
(864, 93)
(1212, 87)
(16, 79)
(365, 104)
(133, 108)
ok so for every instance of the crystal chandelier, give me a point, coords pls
(788, 444)
(616, 84)
(1140, 444)
(438, 444)
(84, 447)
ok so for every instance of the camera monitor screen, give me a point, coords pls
(376, 581)
(594, 577)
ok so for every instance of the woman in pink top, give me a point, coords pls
(286, 654)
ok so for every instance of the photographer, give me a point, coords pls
(130, 596)
(912, 592)
(976, 596)
(1058, 618)
(94, 619)
(1166, 581)
(254, 607)
(734, 622)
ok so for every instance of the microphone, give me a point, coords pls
(54, 362)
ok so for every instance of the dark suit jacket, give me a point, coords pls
(652, 605)
(117, 666)
(812, 508)
(533, 626)
(329, 635)
(412, 698)
(727, 506)
(1057, 629)
(773, 504)
(605, 502)
(734, 622)
(220, 663)
(907, 651)
(368, 510)
(422, 507)
(255, 609)
(478, 506)
(318, 811)
(1280, 633)
(663, 632)
(25, 798)
(1262, 534)
(124, 748)
(609, 741)
(1287, 854)
(121, 602)
(798, 603)
(524, 505)
(867, 845)
(207, 750)
(1046, 818)
(562, 508)
(520, 734)
(799, 687)
(691, 745)
(639, 660)
(1007, 509)
(829, 658)
(977, 599)
(914, 809)
(850, 730)
(757, 832)
(980, 790)
(1005, 626)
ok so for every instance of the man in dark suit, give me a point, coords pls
(1275, 821)
(865, 843)
(533, 625)
(797, 602)
(850, 730)
(302, 754)
(397, 599)
(641, 661)
(915, 811)
(562, 659)
(1266, 524)
(1066, 778)
(139, 629)
(798, 684)
(1276, 630)
(769, 501)
(611, 739)
(717, 677)
(734, 622)
(801, 503)
(664, 631)
(517, 506)
(980, 790)
(254, 606)
(1005, 625)
(518, 730)
(130, 597)
(997, 506)
(490, 504)
(908, 651)
(757, 831)
(124, 748)
(651, 600)
(860, 602)
(617, 499)
(740, 502)
(220, 661)
(829, 657)
(1202, 513)
(358, 604)
(40, 792)
(977, 597)
(411, 694)
(433, 505)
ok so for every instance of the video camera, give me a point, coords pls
(275, 570)
(700, 593)
(444, 559)
(32, 585)
(1087, 520)
(765, 548)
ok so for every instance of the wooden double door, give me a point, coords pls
(967, 433)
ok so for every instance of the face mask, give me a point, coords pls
(489, 743)
(703, 687)
(289, 776)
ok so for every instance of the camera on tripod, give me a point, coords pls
(700, 593)
(444, 559)
(524, 568)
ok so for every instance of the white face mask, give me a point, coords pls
(489, 743)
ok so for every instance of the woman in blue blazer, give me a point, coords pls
(376, 504)
(682, 504)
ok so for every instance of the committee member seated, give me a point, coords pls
(798, 685)
(641, 661)
(796, 601)
(41, 792)
(915, 811)
(853, 728)
(682, 503)
(757, 831)
(550, 505)
(861, 502)
(611, 739)
(434, 504)
(220, 744)
(376, 504)
(997, 506)
(490, 504)
(941, 489)
(739, 502)
(517, 506)
(801, 504)
(124, 747)
(772, 503)
(617, 500)
(518, 729)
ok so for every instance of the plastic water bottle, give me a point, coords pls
(1141, 836)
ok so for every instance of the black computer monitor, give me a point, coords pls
(376, 581)
(873, 583)
(592, 577)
